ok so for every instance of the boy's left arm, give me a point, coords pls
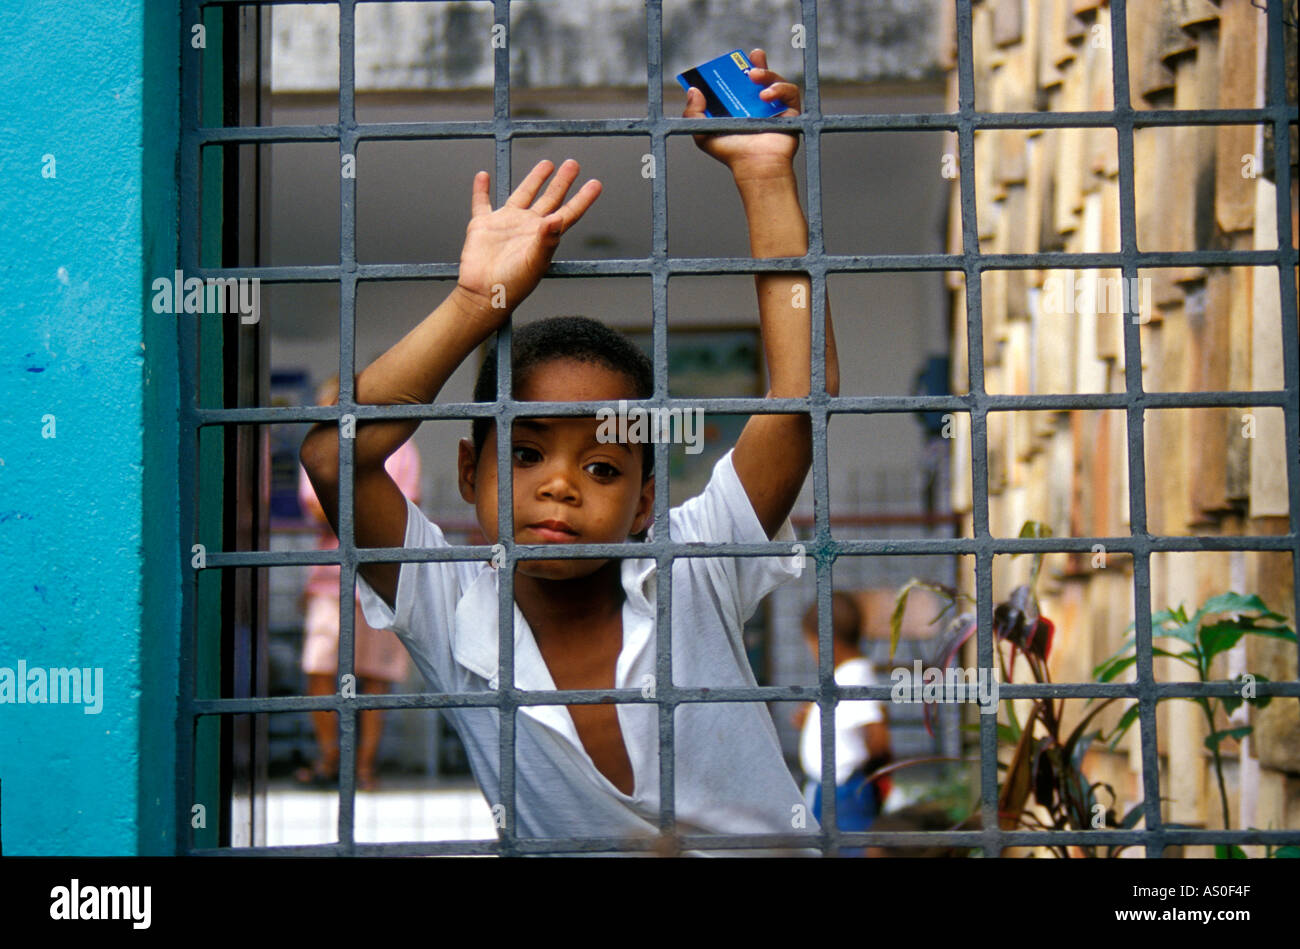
(774, 452)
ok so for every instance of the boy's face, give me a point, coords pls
(568, 487)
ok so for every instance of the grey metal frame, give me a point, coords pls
(823, 549)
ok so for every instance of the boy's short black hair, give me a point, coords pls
(566, 337)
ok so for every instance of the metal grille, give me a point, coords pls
(822, 549)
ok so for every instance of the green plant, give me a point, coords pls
(1046, 761)
(1215, 628)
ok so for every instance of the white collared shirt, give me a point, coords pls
(730, 774)
(850, 716)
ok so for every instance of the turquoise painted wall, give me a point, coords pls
(89, 553)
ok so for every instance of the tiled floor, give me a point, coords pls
(403, 810)
(393, 813)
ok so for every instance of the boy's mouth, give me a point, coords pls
(554, 532)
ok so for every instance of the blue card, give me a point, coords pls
(728, 90)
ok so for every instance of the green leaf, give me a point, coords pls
(1083, 723)
(1186, 632)
(1275, 632)
(1132, 817)
(1237, 603)
(1165, 624)
(1080, 749)
(1173, 623)
(1117, 654)
(1212, 741)
(1116, 668)
(1163, 618)
(1125, 722)
(1101, 666)
(1103, 673)
(1159, 621)
(1005, 732)
(952, 596)
(1010, 708)
(896, 618)
(1289, 852)
(1220, 637)
(1228, 852)
(950, 605)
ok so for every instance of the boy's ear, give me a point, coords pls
(466, 469)
(645, 506)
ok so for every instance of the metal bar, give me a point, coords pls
(991, 833)
(871, 263)
(1284, 117)
(1136, 438)
(554, 128)
(770, 693)
(507, 695)
(665, 690)
(347, 712)
(901, 547)
(823, 546)
(819, 405)
(757, 406)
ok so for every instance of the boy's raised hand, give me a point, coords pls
(774, 452)
(753, 154)
(508, 250)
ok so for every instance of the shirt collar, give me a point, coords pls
(475, 638)
(474, 641)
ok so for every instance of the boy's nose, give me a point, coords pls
(558, 484)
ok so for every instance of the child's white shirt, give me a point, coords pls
(850, 716)
(731, 776)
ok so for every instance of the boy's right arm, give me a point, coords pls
(505, 254)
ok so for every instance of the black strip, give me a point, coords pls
(711, 101)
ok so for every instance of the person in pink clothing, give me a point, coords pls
(380, 659)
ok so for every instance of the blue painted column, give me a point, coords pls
(89, 552)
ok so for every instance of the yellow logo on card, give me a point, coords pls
(739, 59)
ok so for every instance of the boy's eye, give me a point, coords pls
(525, 455)
(603, 469)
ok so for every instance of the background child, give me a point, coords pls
(589, 623)
(379, 660)
(861, 733)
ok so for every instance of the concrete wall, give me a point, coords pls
(88, 431)
(1202, 329)
(594, 44)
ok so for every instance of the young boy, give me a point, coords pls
(861, 733)
(593, 770)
